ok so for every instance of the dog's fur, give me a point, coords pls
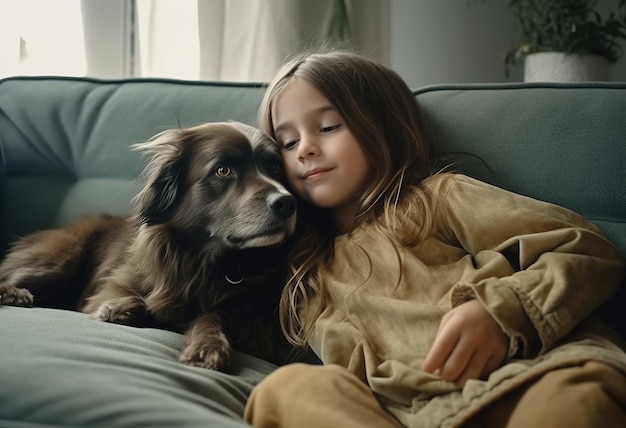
(201, 254)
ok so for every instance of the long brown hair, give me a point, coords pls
(381, 112)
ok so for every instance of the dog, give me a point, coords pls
(202, 253)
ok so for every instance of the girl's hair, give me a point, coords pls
(381, 112)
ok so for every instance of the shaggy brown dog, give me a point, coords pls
(202, 254)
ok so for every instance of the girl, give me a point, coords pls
(432, 299)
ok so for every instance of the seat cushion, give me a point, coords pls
(60, 368)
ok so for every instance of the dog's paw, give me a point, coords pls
(128, 310)
(214, 354)
(13, 296)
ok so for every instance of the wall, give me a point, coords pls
(445, 41)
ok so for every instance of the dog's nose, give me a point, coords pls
(282, 204)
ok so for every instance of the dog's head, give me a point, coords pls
(219, 184)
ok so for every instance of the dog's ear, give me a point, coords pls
(157, 201)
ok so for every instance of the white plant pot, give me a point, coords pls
(560, 67)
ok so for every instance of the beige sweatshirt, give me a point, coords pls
(539, 269)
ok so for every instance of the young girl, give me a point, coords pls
(432, 299)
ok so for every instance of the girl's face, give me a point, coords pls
(324, 162)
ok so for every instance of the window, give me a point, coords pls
(41, 37)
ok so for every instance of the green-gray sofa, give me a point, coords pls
(65, 152)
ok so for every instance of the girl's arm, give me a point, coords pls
(556, 268)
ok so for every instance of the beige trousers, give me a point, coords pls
(304, 396)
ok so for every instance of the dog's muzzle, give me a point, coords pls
(282, 204)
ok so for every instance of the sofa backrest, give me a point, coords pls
(561, 143)
(66, 141)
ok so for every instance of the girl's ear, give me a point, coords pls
(156, 203)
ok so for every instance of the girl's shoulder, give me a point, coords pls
(449, 193)
(450, 178)
(456, 195)
(441, 183)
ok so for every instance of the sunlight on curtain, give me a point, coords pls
(236, 40)
(168, 42)
(41, 38)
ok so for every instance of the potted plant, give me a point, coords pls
(564, 32)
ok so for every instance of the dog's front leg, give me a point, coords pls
(14, 296)
(206, 344)
(127, 310)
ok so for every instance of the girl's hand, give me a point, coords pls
(469, 345)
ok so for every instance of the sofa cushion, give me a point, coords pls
(60, 368)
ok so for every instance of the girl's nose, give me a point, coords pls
(308, 147)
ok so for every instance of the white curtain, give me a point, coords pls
(236, 40)
(233, 40)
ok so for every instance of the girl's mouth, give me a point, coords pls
(314, 173)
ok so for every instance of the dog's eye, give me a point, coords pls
(223, 171)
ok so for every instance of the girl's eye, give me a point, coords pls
(328, 129)
(288, 145)
(223, 171)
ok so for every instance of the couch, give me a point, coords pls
(65, 153)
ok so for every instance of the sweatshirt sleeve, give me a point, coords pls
(555, 268)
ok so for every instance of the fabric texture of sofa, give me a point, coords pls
(65, 152)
